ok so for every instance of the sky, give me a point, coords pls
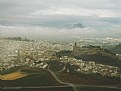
(55, 18)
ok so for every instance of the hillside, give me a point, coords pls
(87, 79)
(93, 53)
(117, 49)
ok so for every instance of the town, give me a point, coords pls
(38, 53)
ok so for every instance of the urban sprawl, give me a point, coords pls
(29, 53)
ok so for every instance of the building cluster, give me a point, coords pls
(17, 53)
(89, 67)
(38, 53)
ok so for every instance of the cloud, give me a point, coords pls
(43, 32)
(75, 11)
(55, 33)
(101, 8)
(60, 13)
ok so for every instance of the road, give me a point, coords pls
(41, 88)
(64, 87)
(74, 86)
(63, 68)
(57, 79)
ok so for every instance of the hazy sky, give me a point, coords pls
(35, 18)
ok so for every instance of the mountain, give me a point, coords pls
(117, 49)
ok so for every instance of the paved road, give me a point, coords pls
(74, 86)
(99, 86)
(63, 68)
(64, 87)
(41, 88)
(57, 79)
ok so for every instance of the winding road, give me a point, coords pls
(57, 79)
(74, 86)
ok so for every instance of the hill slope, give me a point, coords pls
(92, 53)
